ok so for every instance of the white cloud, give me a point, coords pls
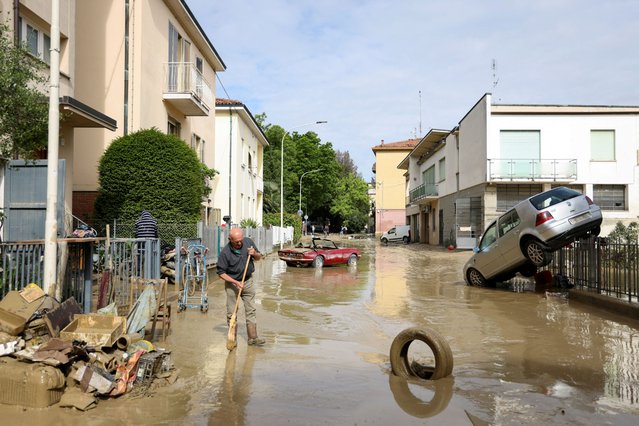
(360, 64)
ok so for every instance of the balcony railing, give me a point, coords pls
(423, 191)
(186, 89)
(532, 169)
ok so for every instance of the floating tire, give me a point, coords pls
(442, 353)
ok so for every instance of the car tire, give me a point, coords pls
(537, 253)
(405, 240)
(384, 241)
(528, 270)
(475, 278)
(318, 262)
(401, 365)
(352, 260)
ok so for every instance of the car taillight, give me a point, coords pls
(590, 203)
(543, 217)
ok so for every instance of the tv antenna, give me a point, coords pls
(420, 113)
(495, 78)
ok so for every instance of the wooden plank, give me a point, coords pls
(60, 317)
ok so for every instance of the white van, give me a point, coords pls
(397, 233)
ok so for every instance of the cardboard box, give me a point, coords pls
(29, 385)
(94, 329)
(11, 323)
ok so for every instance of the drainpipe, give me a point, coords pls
(16, 20)
(126, 67)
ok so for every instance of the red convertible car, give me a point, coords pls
(319, 252)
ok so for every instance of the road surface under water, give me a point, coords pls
(519, 357)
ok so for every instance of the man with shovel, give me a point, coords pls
(231, 267)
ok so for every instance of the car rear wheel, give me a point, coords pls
(475, 278)
(352, 260)
(384, 240)
(318, 262)
(405, 240)
(537, 253)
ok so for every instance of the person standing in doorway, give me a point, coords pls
(230, 268)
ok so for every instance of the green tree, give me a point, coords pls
(154, 171)
(335, 179)
(351, 206)
(23, 104)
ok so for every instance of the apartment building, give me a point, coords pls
(238, 189)
(460, 180)
(390, 191)
(23, 184)
(150, 64)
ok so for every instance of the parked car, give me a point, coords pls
(396, 233)
(523, 238)
(320, 252)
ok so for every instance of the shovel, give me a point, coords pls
(230, 338)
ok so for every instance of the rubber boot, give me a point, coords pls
(251, 331)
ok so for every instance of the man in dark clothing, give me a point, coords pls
(146, 226)
(230, 268)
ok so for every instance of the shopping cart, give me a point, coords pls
(193, 281)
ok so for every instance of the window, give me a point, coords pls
(197, 145)
(509, 195)
(36, 41)
(602, 145)
(610, 197)
(517, 149)
(173, 127)
(508, 222)
(442, 169)
(490, 236)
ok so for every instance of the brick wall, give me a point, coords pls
(83, 205)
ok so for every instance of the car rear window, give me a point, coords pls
(552, 197)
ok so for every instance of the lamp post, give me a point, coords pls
(302, 177)
(282, 178)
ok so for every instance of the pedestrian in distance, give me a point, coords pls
(146, 226)
(230, 268)
(326, 230)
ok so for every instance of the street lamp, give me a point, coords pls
(302, 177)
(282, 178)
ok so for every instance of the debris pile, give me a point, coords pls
(52, 353)
(167, 264)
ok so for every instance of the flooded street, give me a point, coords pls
(519, 357)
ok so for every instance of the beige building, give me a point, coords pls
(238, 189)
(390, 191)
(147, 64)
(30, 20)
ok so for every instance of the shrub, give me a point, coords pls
(154, 171)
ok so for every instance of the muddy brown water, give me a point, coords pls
(520, 357)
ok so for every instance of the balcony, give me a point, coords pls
(532, 170)
(423, 191)
(186, 89)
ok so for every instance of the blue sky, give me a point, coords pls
(361, 64)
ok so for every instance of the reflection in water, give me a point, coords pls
(235, 390)
(442, 390)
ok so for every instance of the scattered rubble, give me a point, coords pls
(53, 353)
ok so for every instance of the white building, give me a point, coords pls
(238, 190)
(460, 180)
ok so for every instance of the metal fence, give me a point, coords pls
(597, 265)
(84, 262)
